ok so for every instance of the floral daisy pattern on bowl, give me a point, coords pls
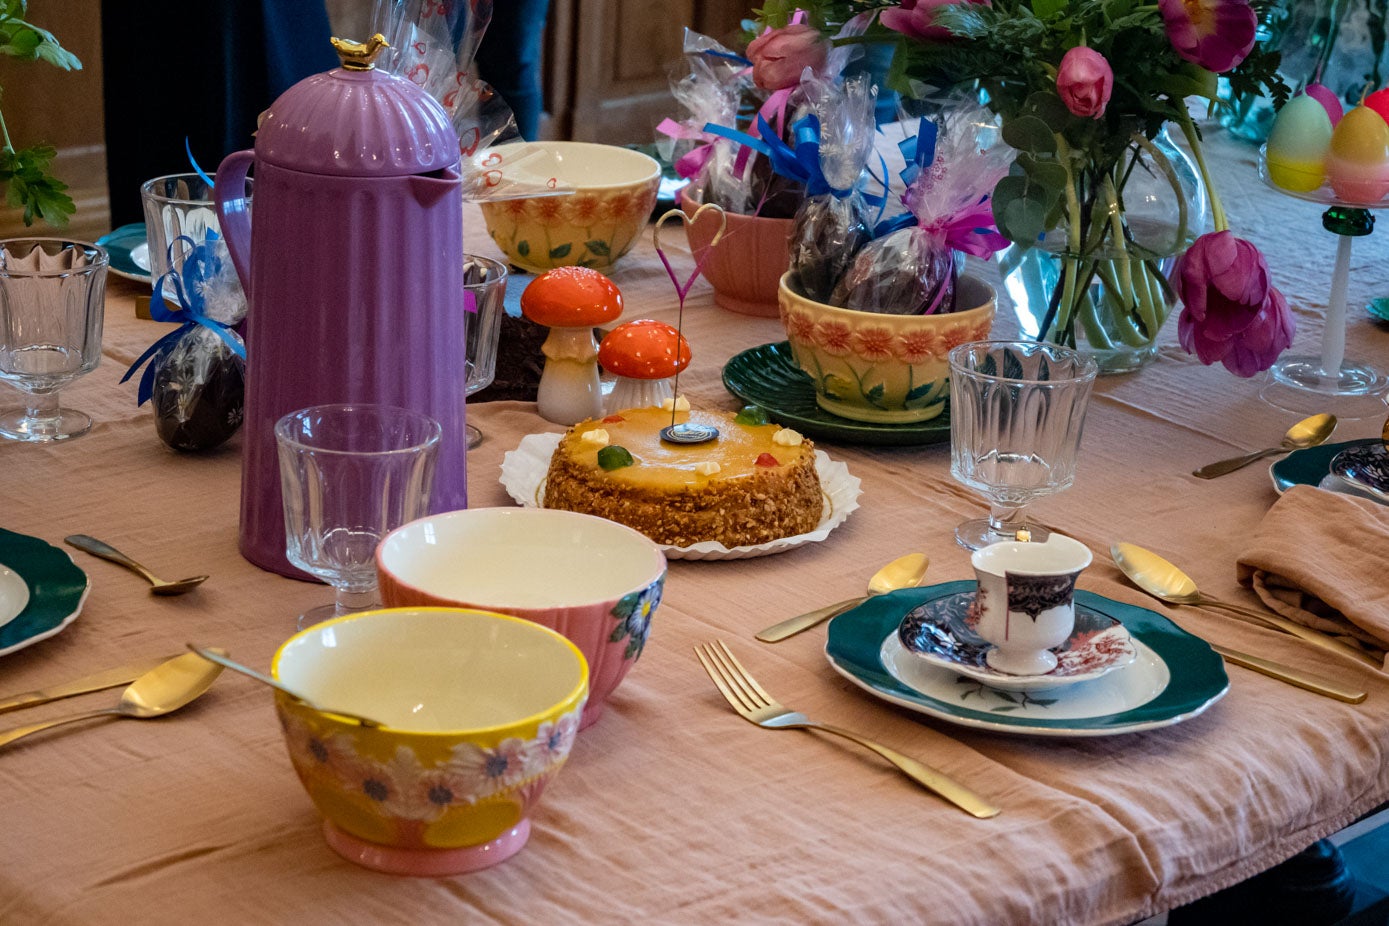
(941, 632)
(633, 614)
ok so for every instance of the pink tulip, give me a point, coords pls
(916, 18)
(779, 56)
(1230, 313)
(1085, 81)
(1214, 34)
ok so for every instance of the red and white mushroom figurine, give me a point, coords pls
(642, 355)
(570, 301)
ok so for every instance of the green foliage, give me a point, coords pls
(25, 175)
(24, 172)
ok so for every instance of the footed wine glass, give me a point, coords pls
(349, 475)
(484, 292)
(1017, 409)
(52, 298)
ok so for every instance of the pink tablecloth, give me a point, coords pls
(672, 809)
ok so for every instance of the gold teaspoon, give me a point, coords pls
(162, 690)
(903, 572)
(105, 551)
(1309, 432)
(1164, 581)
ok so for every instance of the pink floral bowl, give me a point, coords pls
(614, 193)
(747, 263)
(879, 368)
(594, 580)
(477, 714)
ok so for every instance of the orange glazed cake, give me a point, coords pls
(755, 482)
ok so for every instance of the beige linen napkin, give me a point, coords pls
(1322, 559)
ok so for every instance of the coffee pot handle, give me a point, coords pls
(234, 211)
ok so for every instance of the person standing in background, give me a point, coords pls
(509, 59)
(203, 72)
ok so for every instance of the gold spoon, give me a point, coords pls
(162, 690)
(213, 655)
(1164, 581)
(1309, 432)
(107, 552)
(903, 572)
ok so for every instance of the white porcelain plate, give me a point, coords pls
(1174, 676)
(14, 594)
(523, 477)
(941, 633)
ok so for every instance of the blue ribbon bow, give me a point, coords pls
(919, 152)
(201, 264)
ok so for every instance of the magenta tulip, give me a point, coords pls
(1215, 34)
(1230, 313)
(1085, 81)
(916, 18)
(779, 56)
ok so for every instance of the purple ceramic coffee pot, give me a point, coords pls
(352, 268)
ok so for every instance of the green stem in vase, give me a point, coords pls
(1193, 140)
(1070, 267)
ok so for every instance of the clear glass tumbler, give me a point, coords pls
(350, 474)
(178, 205)
(484, 288)
(52, 303)
(1017, 409)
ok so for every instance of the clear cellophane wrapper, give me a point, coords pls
(710, 94)
(912, 270)
(433, 43)
(832, 227)
(198, 393)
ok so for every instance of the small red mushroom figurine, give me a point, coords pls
(570, 301)
(642, 356)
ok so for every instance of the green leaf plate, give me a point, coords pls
(768, 376)
(1175, 677)
(1310, 466)
(57, 590)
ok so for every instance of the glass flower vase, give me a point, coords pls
(1098, 281)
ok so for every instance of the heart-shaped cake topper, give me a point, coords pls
(683, 290)
(686, 433)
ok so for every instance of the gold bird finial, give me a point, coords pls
(359, 56)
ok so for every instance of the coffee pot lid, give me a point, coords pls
(357, 121)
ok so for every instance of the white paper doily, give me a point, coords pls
(523, 477)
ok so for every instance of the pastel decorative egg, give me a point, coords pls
(1297, 145)
(1357, 164)
(1379, 102)
(1328, 99)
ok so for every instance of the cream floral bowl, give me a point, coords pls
(614, 193)
(594, 580)
(478, 712)
(880, 368)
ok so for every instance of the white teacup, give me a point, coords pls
(1026, 601)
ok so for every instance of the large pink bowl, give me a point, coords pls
(593, 580)
(746, 265)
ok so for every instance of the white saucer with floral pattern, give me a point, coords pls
(941, 632)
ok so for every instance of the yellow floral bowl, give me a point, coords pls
(477, 714)
(614, 193)
(881, 368)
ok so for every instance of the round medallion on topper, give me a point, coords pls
(570, 301)
(643, 356)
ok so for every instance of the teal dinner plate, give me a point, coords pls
(1309, 467)
(768, 376)
(1175, 677)
(57, 589)
(128, 251)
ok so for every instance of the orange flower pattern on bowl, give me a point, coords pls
(879, 368)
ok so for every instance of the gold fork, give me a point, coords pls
(754, 705)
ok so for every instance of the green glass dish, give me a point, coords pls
(768, 376)
(1175, 678)
(1310, 466)
(57, 590)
